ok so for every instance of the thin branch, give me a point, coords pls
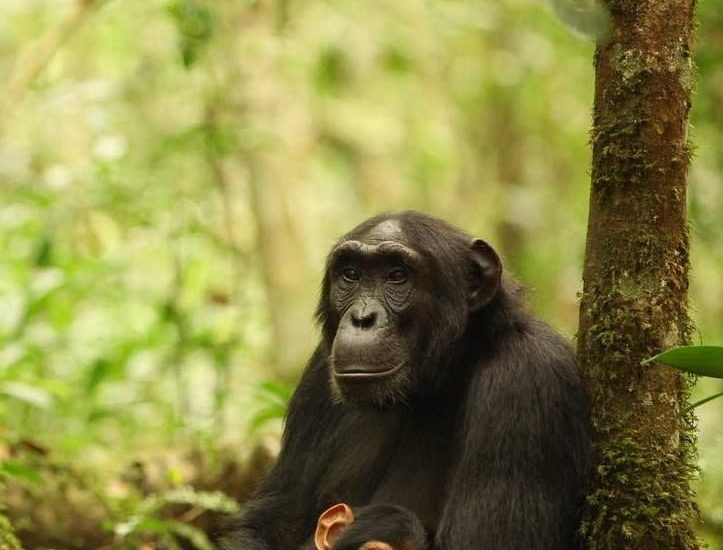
(36, 57)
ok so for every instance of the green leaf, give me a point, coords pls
(32, 395)
(700, 360)
(195, 536)
(14, 468)
(273, 399)
(703, 401)
(139, 524)
(208, 500)
(274, 392)
(266, 415)
(44, 252)
(195, 23)
(333, 70)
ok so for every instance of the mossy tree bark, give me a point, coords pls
(634, 301)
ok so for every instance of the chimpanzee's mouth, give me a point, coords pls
(361, 372)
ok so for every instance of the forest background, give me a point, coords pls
(172, 174)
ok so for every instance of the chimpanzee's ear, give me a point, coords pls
(331, 523)
(486, 275)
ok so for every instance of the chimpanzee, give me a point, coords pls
(435, 406)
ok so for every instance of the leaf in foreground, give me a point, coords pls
(700, 360)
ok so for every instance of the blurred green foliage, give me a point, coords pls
(173, 177)
(146, 519)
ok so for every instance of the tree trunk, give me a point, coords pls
(635, 282)
(275, 161)
(282, 265)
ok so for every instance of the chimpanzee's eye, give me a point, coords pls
(398, 276)
(350, 275)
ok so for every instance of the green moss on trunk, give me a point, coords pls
(635, 282)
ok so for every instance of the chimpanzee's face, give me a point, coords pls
(393, 304)
(373, 283)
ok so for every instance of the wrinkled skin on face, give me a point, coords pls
(379, 285)
(373, 285)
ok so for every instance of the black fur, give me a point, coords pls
(394, 525)
(487, 449)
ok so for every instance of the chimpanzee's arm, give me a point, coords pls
(517, 480)
(281, 515)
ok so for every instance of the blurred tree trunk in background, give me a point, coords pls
(636, 280)
(274, 157)
(282, 265)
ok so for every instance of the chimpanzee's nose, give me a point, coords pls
(363, 317)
